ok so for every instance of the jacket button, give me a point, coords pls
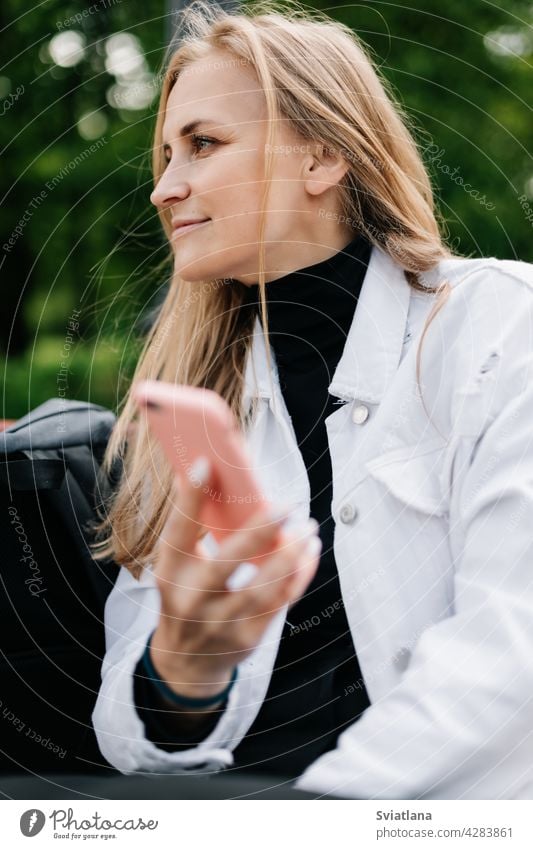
(360, 414)
(347, 514)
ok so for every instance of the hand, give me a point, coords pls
(206, 629)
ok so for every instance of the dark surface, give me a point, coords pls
(52, 592)
(216, 786)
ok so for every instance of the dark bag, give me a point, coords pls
(52, 590)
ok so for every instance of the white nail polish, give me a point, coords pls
(313, 547)
(199, 471)
(307, 529)
(278, 514)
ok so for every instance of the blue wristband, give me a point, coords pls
(182, 701)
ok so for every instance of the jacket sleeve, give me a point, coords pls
(131, 614)
(158, 719)
(459, 724)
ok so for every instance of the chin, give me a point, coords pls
(190, 274)
(194, 267)
(196, 271)
(190, 265)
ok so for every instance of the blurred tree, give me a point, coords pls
(80, 244)
(463, 73)
(78, 232)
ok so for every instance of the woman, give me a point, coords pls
(383, 387)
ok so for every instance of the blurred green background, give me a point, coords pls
(78, 93)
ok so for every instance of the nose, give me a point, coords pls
(169, 190)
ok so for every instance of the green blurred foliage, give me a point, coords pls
(90, 241)
(78, 191)
(463, 73)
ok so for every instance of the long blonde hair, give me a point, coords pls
(201, 337)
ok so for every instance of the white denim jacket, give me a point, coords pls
(433, 510)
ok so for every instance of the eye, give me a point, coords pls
(196, 141)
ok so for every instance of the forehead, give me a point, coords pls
(221, 87)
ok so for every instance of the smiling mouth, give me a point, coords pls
(186, 228)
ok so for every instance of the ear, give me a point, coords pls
(324, 169)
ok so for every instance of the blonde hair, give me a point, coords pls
(201, 337)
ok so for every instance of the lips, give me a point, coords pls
(179, 227)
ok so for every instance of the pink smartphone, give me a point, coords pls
(190, 422)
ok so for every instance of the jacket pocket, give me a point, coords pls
(414, 475)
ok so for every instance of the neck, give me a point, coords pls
(310, 310)
(293, 256)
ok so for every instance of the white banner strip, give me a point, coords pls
(269, 824)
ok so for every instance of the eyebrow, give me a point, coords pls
(189, 128)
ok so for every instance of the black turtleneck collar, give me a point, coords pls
(306, 285)
(310, 310)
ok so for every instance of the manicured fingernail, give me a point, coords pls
(312, 525)
(278, 515)
(313, 547)
(199, 471)
(306, 530)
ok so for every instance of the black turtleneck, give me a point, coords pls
(316, 689)
(310, 700)
(310, 312)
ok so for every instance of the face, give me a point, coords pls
(214, 137)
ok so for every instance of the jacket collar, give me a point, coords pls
(373, 346)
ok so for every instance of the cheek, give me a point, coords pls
(234, 194)
(239, 178)
(239, 187)
(236, 206)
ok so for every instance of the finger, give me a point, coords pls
(286, 573)
(305, 573)
(182, 529)
(263, 531)
(285, 577)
